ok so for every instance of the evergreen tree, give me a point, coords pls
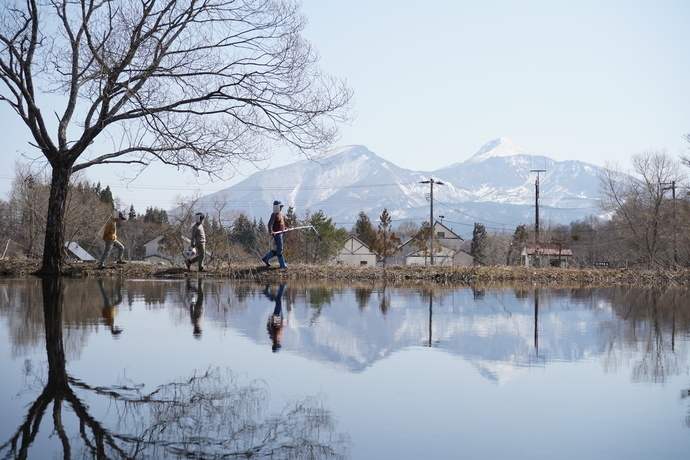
(244, 233)
(478, 243)
(156, 216)
(364, 230)
(387, 243)
(106, 196)
(331, 239)
(132, 213)
(291, 218)
(519, 239)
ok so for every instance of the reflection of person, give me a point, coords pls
(196, 307)
(276, 320)
(198, 242)
(109, 306)
(276, 224)
(110, 238)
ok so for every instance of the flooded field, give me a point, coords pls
(204, 368)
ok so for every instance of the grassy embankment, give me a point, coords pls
(390, 274)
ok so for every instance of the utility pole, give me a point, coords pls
(536, 222)
(672, 187)
(431, 214)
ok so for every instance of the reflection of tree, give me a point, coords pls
(686, 394)
(363, 295)
(319, 296)
(208, 415)
(652, 318)
(384, 300)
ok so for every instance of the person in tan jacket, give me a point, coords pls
(110, 238)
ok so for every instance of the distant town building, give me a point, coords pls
(355, 252)
(447, 250)
(546, 255)
(153, 253)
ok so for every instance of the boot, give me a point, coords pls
(268, 257)
(282, 262)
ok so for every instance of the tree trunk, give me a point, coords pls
(53, 251)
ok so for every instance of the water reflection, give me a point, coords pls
(111, 299)
(209, 414)
(195, 300)
(276, 321)
(96, 396)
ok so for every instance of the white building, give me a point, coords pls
(155, 254)
(546, 255)
(447, 250)
(355, 252)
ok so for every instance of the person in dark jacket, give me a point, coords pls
(198, 242)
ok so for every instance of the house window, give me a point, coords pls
(362, 262)
(441, 234)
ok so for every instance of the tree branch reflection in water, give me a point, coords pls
(208, 415)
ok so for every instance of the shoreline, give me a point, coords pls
(399, 274)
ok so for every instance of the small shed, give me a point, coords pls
(546, 255)
(355, 252)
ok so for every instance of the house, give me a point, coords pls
(545, 255)
(446, 237)
(462, 259)
(442, 256)
(447, 250)
(355, 252)
(75, 253)
(153, 253)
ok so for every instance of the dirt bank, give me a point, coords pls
(390, 274)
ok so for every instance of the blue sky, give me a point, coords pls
(596, 81)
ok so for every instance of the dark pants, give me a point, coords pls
(200, 253)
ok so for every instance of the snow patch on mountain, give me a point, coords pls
(495, 186)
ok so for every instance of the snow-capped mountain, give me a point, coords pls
(495, 187)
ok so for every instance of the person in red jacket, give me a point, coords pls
(276, 227)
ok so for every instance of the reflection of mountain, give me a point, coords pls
(496, 332)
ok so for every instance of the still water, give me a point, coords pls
(214, 369)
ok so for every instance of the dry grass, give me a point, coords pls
(391, 274)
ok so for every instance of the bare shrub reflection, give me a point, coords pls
(207, 415)
(652, 319)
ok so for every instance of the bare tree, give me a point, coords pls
(194, 84)
(642, 216)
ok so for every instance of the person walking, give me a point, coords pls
(276, 227)
(198, 242)
(110, 238)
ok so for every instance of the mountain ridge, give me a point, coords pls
(494, 186)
